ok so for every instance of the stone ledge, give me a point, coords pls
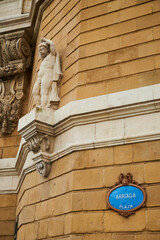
(108, 120)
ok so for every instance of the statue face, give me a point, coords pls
(44, 51)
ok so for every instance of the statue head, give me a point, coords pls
(46, 47)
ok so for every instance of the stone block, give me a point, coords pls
(123, 237)
(99, 157)
(93, 36)
(30, 180)
(121, 28)
(146, 151)
(68, 224)
(8, 200)
(79, 159)
(98, 236)
(34, 195)
(27, 215)
(95, 200)
(44, 209)
(103, 46)
(136, 11)
(123, 154)
(93, 62)
(7, 213)
(123, 83)
(102, 21)
(31, 231)
(137, 66)
(147, 123)
(63, 204)
(56, 226)
(111, 174)
(112, 129)
(156, 31)
(152, 172)
(150, 48)
(116, 223)
(114, 6)
(77, 201)
(153, 196)
(147, 236)
(84, 179)
(21, 233)
(94, 2)
(157, 61)
(153, 223)
(9, 152)
(6, 228)
(42, 229)
(148, 78)
(136, 37)
(123, 55)
(148, 20)
(94, 11)
(6, 238)
(45, 190)
(87, 222)
(91, 90)
(62, 184)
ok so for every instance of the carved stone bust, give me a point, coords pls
(45, 90)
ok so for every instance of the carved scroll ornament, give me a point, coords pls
(15, 58)
(41, 144)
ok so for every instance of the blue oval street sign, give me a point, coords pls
(126, 198)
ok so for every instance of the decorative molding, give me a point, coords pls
(15, 58)
(39, 136)
(30, 22)
(121, 118)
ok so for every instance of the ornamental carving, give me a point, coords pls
(36, 128)
(15, 58)
(38, 142)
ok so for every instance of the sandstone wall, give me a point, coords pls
(7, 216)
(105, 46)
(72, 201)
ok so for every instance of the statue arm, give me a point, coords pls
(57, 69)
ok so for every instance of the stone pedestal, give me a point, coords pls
(36, 128)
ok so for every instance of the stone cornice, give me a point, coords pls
(28, 22)
(113, 119)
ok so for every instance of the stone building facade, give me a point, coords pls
(107, 121)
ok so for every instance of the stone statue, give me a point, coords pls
(45, 90)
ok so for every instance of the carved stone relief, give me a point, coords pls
(15, 58)
(46, 88)
(37, 130)
(41, 145)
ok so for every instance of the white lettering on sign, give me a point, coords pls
(126, 207)
(126, 195)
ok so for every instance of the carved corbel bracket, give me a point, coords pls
(35, 129)
(15, 58)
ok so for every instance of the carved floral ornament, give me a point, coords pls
(15, 58)
(126, 196)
